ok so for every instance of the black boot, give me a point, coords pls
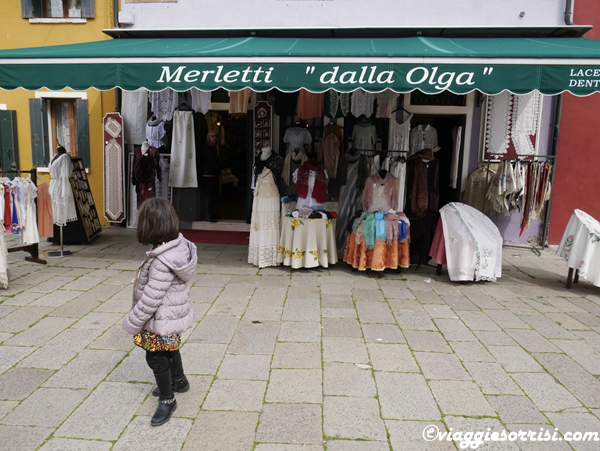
(179, 383)
(166, 401)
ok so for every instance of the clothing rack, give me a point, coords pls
(33, 249)
(536, 250)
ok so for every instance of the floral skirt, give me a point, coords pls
(154, 342)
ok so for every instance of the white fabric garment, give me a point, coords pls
(183, 152)
(61, 192)
(134, 110)
(423, 137)
(457, 135)
(200, 100)
(400, 135)
(580, 246)
(398, 169)
(386, 101)
(264, 225)
(296, 138)
(30, 228)
(498, 113)
(524, 125)
(341, 99)
(163, 103)
(155, 132)
(238, 101)
(473, 244)
(362, 103)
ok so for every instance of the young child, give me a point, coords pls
(161, 309)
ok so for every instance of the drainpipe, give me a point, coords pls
(554, 151)
(116, 13)
(569, 12)
(118, 93)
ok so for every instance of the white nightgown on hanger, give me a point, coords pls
(61, 192)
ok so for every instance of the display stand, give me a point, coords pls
(87, 226)
(33, 249)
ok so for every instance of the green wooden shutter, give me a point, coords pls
(9, 148)
(40, 148)
(87, 8)
(83, 131)
(27, 9)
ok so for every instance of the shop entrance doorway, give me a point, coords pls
(447, 127)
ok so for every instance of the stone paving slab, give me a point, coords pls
(298, 360)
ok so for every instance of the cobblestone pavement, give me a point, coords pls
(299, 360)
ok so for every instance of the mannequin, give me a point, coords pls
(311, 185)
(61, 192)
(364, 134)
(266, 216)
(145, 170)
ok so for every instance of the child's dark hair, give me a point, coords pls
(157, 222)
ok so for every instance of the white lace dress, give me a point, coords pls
(61, 192)
(264, 225)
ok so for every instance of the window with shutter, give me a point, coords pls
(9, 149)
(57, 9)
(59, 122)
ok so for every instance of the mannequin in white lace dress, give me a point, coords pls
(61, 192)
(266, 216)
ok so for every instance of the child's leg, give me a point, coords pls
(159, 364)
(179, 382)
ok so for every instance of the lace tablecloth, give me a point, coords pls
(307, 243)
(580, 247)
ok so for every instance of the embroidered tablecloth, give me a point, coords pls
(580, 246)
(307, 243)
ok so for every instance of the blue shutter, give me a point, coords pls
(40, 151)
(9, 147)
(83, 131)
(87, 8)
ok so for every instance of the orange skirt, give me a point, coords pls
(382, 256)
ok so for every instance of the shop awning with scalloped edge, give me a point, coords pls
(432, 65)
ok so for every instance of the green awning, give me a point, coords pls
(432, 65)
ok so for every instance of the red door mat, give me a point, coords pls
(216, 236)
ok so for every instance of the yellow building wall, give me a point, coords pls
(19, 33)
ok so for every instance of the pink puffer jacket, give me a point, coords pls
(161, 295)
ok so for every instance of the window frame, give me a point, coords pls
(44, 126)
(33, 10)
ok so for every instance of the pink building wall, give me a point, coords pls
(577, 177)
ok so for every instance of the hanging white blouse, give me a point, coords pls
(61, 192)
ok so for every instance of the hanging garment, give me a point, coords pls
(422, 199)
(397, 166)
(264, 224)
(163, 104)
(329, 153)
(498, 117)
(134, 110)
(183, 152)
(61, 192)
(524, 122)
(145, 170)
(30, 226)
(362, 103)
(400, 135)
(456, 144)
(238, 101)
(352, 181)
(473, 244)
(310, 104)
(44, 211)
(364, 136)
(386, 101)
(296, 138)
(201, 100)
(423, 137)
(337, 104)
(3, 249)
